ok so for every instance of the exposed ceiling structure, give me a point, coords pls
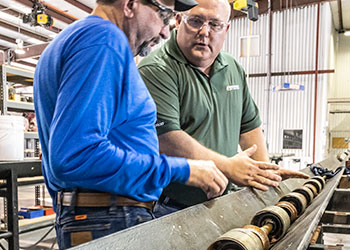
(35, 38)
(340, 13)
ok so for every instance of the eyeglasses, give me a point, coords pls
(197, 22)
(165, 13)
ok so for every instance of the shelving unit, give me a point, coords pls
(12, 74)
(9, 173)
(9, 75)
(30, 167)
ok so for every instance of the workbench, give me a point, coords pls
(9, 174)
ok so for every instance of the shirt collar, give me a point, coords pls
(173, 50)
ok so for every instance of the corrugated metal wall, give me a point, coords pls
(341, 86)
(293, 49)
(339, 125)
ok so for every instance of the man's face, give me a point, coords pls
(201, 31)
(154, 24)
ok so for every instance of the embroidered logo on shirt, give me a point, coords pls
(232, 87)
(159, 124)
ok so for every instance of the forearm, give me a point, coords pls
(256, 136)
(240, 169)
(252, 137)
(179, 143)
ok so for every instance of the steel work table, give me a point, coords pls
(9, 173)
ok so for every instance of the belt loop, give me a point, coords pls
(113, 204)
(153, 209)
(73, 201)
(59, 205)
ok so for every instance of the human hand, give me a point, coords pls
(286, 174)
(205, 175)
(244, 171)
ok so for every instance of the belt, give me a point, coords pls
(100, 200)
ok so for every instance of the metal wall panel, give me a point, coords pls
(240, 28)
(339, 124)
(293, 49)
(341, 86)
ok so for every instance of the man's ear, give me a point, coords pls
(178, 19)
(129, 7)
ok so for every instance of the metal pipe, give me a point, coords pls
(306, 72)
(316, 80)
(2, 57)
(340, 14)
(268, 63)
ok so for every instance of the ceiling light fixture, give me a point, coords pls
(347, 33)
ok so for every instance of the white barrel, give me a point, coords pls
(11, 138)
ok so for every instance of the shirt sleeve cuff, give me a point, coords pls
(167, 127)
(256, 122)
(180, 169)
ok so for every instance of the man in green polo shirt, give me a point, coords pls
(204, 109)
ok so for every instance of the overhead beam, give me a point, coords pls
(27, 63)
(9, 11)
(22, 31)
(7, 39)
(11, 40)
(80, 5)
(31, 51)
(58, 13)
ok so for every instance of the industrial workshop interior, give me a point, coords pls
(290, 59)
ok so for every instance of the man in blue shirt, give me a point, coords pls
(100, 155)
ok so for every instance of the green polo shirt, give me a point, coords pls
(214, 110)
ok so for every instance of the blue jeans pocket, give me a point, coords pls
(87, 224)
(74, 233)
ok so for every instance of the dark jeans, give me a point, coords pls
(77, 225)
(165, 207)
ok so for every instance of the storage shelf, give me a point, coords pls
(20, 106)
(31, 135)
(19, 72)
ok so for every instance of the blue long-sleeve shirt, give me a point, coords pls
(96, 117)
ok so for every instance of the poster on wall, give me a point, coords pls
(292, 139)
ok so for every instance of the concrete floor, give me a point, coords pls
(31, 238)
